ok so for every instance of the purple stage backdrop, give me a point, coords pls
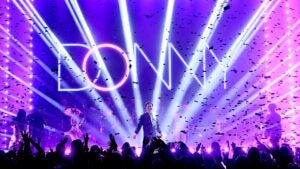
(210, 67)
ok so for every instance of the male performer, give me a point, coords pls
(149, 123)
(273, 126)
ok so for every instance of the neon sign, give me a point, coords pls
(125, 75)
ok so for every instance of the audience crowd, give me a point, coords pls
(155, 154)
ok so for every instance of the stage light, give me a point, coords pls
(162, 55)
(287, 12)
(138, 151)
(173, 150)
(226, 149)
(132, 56)
(245, 149)
(67, 151)
(270, 145)
(208, 150)
(124, 77)
(192, 150)
(6, 113)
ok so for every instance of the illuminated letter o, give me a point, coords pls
(125, 75)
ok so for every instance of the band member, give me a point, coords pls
(273, 126)
(19, 124)
(37, 123)
(149, 123)
(76, 121)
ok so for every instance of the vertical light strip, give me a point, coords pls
(291, 84)
(162, 56)
(132, 56)
(4, 49)
(17, 23)
(30, 63)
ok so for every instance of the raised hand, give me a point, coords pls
(112, 144)
(86, 141)
(198, 147)
(233, 145)
(86, 138)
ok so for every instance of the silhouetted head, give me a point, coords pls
(21, 114)
(215, 146)
(285, 156)
(253, 155)
(216, 151)
(126, 145)
(76, 148)
(272, 107)
(95, 149)
(241, 162)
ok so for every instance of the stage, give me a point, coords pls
(211, 68)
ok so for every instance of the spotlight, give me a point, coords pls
(270, 145)
(226, 149)
(208, 150)
(244, 149)
(68, 151)
(192, 150)
(138, 151)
